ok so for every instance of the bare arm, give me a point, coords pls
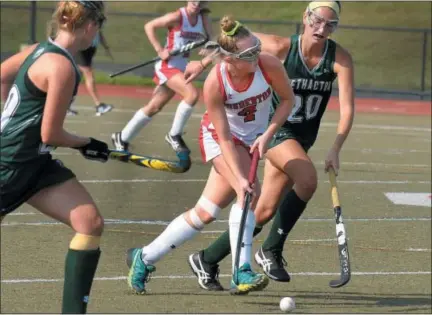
(274, 45)
(9, 69)
(345, 69)
(215, 107)
(168, 20)
(60, 77)
(282, 86)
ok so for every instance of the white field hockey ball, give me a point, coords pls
(287, 304)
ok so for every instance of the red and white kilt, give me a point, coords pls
(164, 72)
(209, 141)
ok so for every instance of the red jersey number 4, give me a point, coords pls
(248, 113)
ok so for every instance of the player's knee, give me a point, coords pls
(192, 96)
(195, 219)
(207, 210)
(307, 185)
(84, 242)
(264, 213)
(96, 225)
(91, 224)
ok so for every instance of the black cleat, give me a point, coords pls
(118, 143)
(208, 275)
(177, 143)
(273, 263)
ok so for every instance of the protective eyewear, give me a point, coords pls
(316, 21)
(250, 54)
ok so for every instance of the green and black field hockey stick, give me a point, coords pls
(345, 269)
(180, 166)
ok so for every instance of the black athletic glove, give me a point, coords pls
(95, 150)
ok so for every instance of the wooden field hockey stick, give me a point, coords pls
(345, 269)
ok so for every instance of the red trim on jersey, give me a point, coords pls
(221, 85)
(170, 36)
(201, 144)
(264, 72)
(237, 89)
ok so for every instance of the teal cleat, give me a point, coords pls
(139, 272)
(248, 281)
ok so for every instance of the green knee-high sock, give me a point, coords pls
(288, 213)
(221, 248)
(79, 273)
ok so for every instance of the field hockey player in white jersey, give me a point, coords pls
(188, 24)
(237, 95)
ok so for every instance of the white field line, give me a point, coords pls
(324, 124)
(172, 277)
(164, 223)
(390, 165)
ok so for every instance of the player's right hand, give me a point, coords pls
(193, 70)
(243, 188)
(164, 54)
(95, 150)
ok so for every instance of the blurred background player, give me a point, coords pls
(85, 64)
(186, 25)
(41, 82)
(312, 61)
(237, 95)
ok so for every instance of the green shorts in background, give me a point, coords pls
(284, 134)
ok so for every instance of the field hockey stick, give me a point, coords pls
(180, 166)
(175, 52)
(345, 269)
(245, 210)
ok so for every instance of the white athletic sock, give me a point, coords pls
(176, 233)
(133, 127)
(183, 112)
(234, 229)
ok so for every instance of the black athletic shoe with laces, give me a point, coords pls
(177, 143)
(273, 263)
(208, 275)
(118, 143)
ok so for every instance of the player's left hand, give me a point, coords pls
(95, 150)
(332, 161)
(203, 52)
(193, 70)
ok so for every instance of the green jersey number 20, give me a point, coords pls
(10, 106)
(310, 105)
